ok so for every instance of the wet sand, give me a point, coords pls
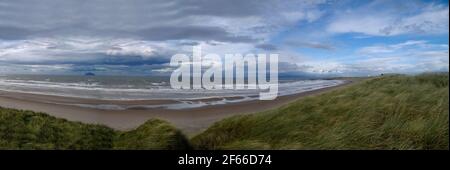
(190, 121)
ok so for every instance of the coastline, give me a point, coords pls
(190, 121)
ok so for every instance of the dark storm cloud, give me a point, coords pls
(135, 32)
(229, 8)
(190, 32)
(98, 58)
(189, 43)
(13, 33)
(153, 20)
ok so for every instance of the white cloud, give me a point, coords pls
(378, 49)
(414, 56)
(323, 67)
(79, 49)
(370, 21)
(410, 56)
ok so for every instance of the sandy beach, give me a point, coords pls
(190, 121)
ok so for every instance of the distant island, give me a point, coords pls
(89, 74)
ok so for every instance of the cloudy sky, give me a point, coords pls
(326, 37)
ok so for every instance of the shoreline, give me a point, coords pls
(190, 120)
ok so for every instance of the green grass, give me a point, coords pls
(30, 130)
(389, 112)
(154, 134)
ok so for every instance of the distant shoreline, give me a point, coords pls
(190, 120)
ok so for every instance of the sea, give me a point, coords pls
(146, 88)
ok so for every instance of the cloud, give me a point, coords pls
(305, 44)
(267, 47)
(413, 56)
(151, 20)
(95, 51)
(374, 66)
(13, 33)
(83, 33)
(192, 33)
(84, 50)
(378, 49)
(381, 19)
(329, 67)
(140, 36)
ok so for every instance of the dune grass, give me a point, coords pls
(155, 134)
(29, 130)
(389, 112)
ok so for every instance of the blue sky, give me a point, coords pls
(324, 37)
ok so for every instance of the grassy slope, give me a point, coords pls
(391, 112)
(30, 130)
(155, 134)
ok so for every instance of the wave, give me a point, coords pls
(153, 91)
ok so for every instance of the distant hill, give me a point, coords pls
(89, 74)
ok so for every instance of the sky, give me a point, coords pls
(138, 37)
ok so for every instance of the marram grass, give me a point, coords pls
(388, 112)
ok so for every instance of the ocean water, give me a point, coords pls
(144, 88)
